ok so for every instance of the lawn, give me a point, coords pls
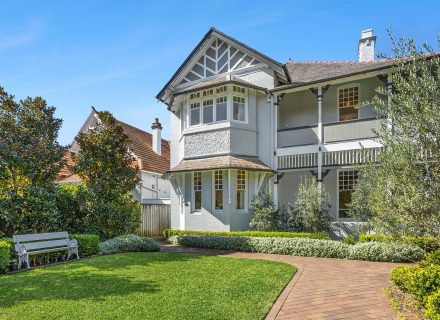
(146, 286)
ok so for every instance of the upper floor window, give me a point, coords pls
(195, 113)
(218, 190)
(221, 108)
(238, 105)
(241, 190)
(346, 181)
(348, 99)
(221, 89)
(238, 89)
(208, 111)
(194, 95)
(197, 191)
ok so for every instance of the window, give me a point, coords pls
(348, 99)
(238, 112)
(221, 109)
(347, 181)
(221, 89)
(241, 189)
(197, 185)
(218, 190)
(195, 114)
(208, 111)
(238, 89)
(194, 95)
(208, 92)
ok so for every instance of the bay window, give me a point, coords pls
(195, 113)
(238, 105)
(221, 109)
(208, 111)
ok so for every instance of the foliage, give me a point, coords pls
(306, 247)
(110, 175)
(30, 157)
(432, 258)
(146, 286)
(268, 217)
(5, 252)
(88, 244)
(349, 240)
(70, 201)
(402, 191)
(432, 310)
(129, 243)
(428, 244)
(312, 207)
(319, 235)
(359, 209)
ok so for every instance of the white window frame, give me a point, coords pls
(214, 190)
(345, 86)
(193, 193)
(246, 191)
(337, 192)
(200, 114)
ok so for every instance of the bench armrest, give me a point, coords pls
(73, 243)
(20, 249)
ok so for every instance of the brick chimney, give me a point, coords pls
(157, 136)
(366, 46)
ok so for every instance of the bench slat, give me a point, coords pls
(40, 236)
(30, 246)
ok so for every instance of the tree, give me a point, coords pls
(30, 158)
(109, 174)
(312, 207)
(403, 191)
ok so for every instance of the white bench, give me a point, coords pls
(30, 244)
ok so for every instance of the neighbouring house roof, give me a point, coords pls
(220, 81)
(221, 162)
(65, 175)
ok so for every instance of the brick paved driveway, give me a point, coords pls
(324, 288)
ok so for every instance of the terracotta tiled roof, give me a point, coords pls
(141, 146)
(221, 162)
(65, 175)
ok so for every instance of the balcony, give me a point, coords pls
(332, 132)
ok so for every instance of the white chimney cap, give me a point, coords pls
(367, 33)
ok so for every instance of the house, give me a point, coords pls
(241, 121)
(152, 154)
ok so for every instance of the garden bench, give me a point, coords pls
(30, 244)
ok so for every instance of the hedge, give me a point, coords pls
(428, 244)
(5, 253)
(306, 247)
(319, 235)
(129, 243)
(432, 310)
(88, 244)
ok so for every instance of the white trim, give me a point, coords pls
(345, 86)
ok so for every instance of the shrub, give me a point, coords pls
(418, 281)
(312, 207)
(428, 244)
(349, 240)
(129, 243)
(318, 235)
(88, 244)
(432, 258)
(305, 247)
(5, 252)
(432, 310)
(392, 252)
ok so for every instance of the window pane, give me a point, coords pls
(197, 182)
(219, 199)
(238, 109)
(198, 200)
(348, 99)
(241, 189)
(195, 114)
(347, 182)
(221, 109)
(218, 187)
(240, 199)
(208, 111)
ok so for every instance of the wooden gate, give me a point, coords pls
(155, 219)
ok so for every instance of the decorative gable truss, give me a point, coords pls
(219, 58)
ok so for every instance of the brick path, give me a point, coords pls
(324, 288)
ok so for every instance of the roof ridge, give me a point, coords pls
(341, 61)
(143, 131)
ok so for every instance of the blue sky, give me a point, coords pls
(116, 55)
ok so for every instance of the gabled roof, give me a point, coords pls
(215, 33)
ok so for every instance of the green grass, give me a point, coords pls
(146, 286)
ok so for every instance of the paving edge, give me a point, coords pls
(284, 294)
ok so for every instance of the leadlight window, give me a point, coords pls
(241, 189)
(208, 92)
(238, 89)
(194, 95)
(238, 112)
(208, 111)
(348, 99)
(347, 181)
(221, 89)
(197, 185)
(221, 109)
(195, 114)
(218, 190)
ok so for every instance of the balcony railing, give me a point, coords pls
(332, 132)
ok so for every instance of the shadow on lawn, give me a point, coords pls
(94, 278)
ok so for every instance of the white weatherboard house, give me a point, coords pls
(152, 155)
(241, 121)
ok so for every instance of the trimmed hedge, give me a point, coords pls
(432, 310)
(88, 244)
(5, 253)
(418, 281)
(306, 247)
(129, 243)
(429, 244)
(319, 235)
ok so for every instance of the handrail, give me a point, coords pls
(328, 124)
